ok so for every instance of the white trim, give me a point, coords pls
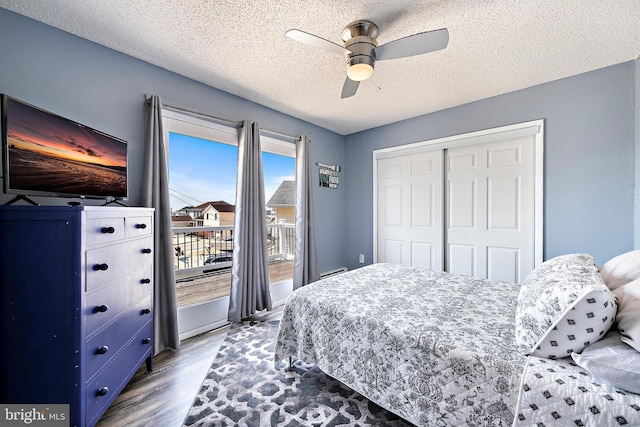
(534, 128)
(375, 206)
(200, 128)
(538, 208)
(477, 137)
(199, 318)
(280, 291)
(205, 129)
(275, 146)
(203, 317)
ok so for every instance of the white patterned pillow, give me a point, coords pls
(563, 306)
(621, 269)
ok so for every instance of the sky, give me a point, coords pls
(202, 171)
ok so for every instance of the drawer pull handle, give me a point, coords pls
(146, 311)
(146, 341)
(102, 349)
(108, 230)
(102, 308)
(141, 226)
(146, 251)
(145, 281)
(102, 391)
(101, 267)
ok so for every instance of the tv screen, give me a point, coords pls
(48, 155)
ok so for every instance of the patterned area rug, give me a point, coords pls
(245, 388)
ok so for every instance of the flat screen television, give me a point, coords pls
(48, 155)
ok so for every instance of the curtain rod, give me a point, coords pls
(228, 122)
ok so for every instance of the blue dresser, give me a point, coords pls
(76, 300)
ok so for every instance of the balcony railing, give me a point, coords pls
(199, 249)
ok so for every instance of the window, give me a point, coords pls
(202, 180)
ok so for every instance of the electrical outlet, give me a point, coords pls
(361, 258)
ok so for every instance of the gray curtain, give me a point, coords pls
(305, 265)
(155, 194)
(250, 268)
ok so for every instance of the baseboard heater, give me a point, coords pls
(333, 272)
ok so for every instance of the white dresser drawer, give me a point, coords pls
(105, 230)
(138, 225)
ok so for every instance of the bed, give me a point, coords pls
(443, 349)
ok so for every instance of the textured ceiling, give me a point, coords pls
(495, 46)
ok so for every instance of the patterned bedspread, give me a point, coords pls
(558, 393)
(434, 348)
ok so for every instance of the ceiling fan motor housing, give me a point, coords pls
(360, 39)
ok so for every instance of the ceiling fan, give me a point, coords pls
(361, 49)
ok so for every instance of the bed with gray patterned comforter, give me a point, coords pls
(432, 347)
(438, 350)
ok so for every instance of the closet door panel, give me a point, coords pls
(393, 251)
(393, 205)
(504, 203)
(409, 209)
(503, 264)
(422, 209)
(462, 259)
(422, 255)
(496, 215)
(462, 207)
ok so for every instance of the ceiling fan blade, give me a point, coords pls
(416, 44)
(349, 88)
(316, 41)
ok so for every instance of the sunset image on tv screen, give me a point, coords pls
(50, 154)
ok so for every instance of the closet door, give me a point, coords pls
(409, 210)
(490, 209)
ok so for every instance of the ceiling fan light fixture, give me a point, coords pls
(360, 67)
(359, 72)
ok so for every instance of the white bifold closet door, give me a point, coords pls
(466, 210)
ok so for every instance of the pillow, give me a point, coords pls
(563, 306)
(628, 317)
(621, 269)
(612, 361)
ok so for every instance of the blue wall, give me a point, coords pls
(105, 90)
(588, 161)
(589, 135)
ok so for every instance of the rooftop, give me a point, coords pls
(285, 195)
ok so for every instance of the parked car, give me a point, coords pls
(214, 259)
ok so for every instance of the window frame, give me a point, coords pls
(189, 125)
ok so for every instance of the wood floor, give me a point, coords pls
(163, 397)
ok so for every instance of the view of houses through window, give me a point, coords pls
(202, 180)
